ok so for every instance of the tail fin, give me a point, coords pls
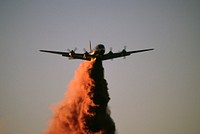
(90, 46)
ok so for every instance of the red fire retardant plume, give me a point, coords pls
(84, 109)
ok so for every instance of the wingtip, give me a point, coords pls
(150, 49)
(43, 50)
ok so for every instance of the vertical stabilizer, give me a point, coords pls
(90, 46)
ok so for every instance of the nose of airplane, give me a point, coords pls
(101, 48)
(102, 51)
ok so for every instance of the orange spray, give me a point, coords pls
(84, 108)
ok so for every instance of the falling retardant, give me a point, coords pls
(84, 109)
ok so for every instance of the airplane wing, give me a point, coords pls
(123, 53)
(71, 55)
(55, 52)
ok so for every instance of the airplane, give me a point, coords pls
(96, 53)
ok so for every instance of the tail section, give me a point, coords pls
(90, 46)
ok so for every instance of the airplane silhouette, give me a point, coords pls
(96, 53)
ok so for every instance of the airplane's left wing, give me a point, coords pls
(56, 52)
(71, 55)
(123, 53)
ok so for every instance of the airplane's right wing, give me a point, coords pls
(123, 53)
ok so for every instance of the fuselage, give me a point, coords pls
(98, 50)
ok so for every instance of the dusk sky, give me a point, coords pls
(155, 92)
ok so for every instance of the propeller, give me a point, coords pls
(84, 50)
(124, 48)
(71, 52)
(86, 53)
(110, 50)
(124, 51)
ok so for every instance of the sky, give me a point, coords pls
(151, 92)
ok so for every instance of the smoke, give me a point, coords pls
(84, 109)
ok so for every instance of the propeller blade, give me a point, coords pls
(84, 50)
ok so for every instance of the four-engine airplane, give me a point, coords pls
(96, 53)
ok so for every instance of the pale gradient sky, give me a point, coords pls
(151, 93)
